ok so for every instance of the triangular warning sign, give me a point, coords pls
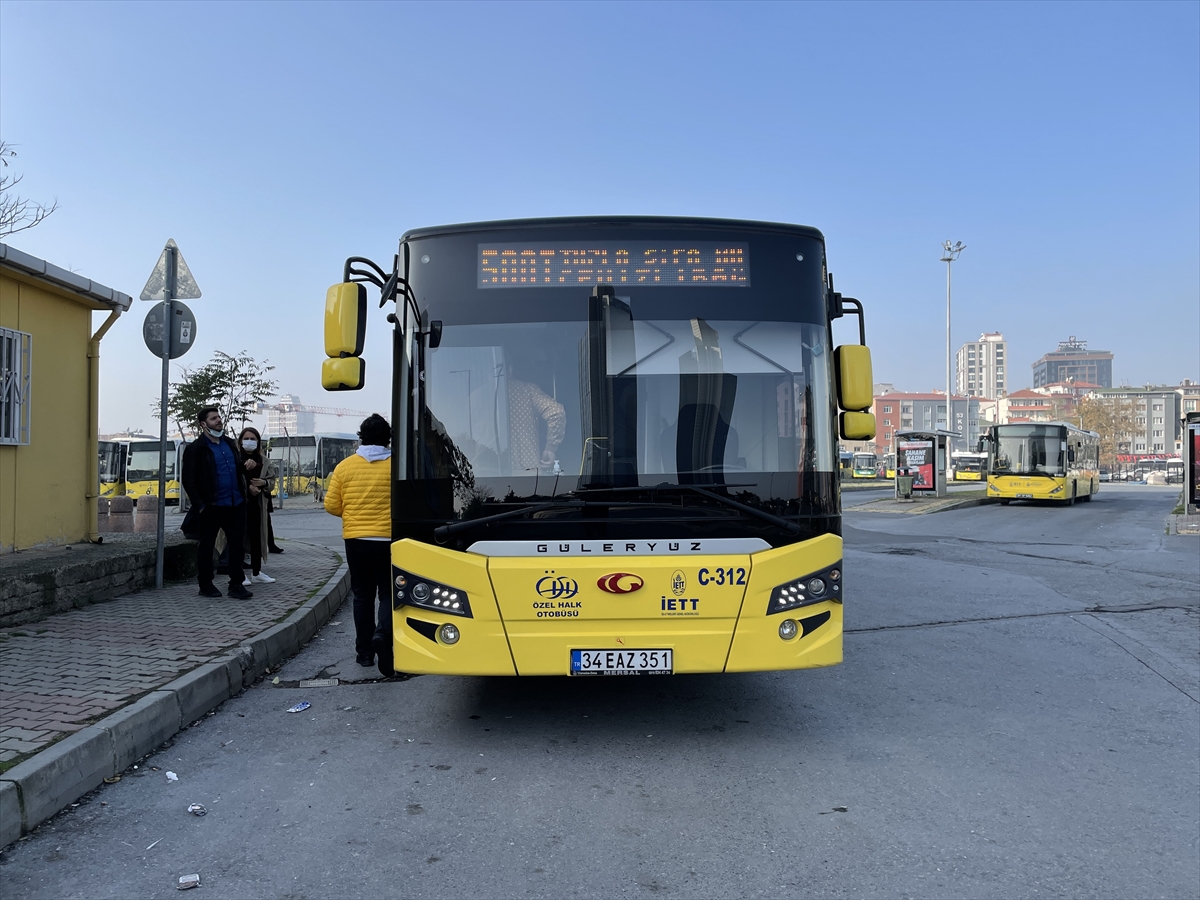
(185, 285)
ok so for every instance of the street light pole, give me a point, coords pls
(949, 255)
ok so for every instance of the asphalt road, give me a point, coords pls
(1017, 716)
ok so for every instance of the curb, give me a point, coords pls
(40, 787)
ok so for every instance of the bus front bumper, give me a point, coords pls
(529, 616)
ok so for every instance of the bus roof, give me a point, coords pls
(1066, 425)
(576, 222)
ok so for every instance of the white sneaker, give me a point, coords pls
(262, 578)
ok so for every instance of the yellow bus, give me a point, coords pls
(1042, 461)
(968, 466)
(889, 466)
(615, 444)
(864, 465)
(303, 463)
(113, 458)
(141, 469)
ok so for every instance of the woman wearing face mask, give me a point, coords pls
(250, 444)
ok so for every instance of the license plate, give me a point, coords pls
(621, 662)
(1024, 496)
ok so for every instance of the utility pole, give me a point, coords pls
(949, 255)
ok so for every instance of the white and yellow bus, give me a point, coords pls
(968, 466)
(1042, 461)
(865, 465)
(304, 463)
(141, 469)
(114, 455)
(615, 444)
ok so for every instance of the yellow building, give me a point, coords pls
(49, 401)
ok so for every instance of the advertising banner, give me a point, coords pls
(1192, 449)
(918, 456)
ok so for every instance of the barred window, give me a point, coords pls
(15, 351)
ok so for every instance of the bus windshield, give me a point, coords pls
(969, 462)
(110, 461)
(143, 461)
(687, 401)
(1029, 450)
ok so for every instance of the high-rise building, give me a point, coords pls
(980, 370)
(290, 416)
(1072, 361)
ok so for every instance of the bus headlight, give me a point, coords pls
(425, 593)
(448, 634)
(1057, 489)
(812, 588)
(788, 629)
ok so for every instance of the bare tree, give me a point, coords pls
(1113, 418)
(17, 213)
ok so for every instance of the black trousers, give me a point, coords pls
(231, 520)
(370, 565)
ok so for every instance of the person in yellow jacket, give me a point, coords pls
(360, 493)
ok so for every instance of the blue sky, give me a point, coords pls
(1060, 142)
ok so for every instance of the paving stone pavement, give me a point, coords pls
(61, 673)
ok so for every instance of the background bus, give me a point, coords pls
(141, 469)
(1045, 461)
(845, 465)
(302, 463)
(889, 465)
(615, 444)
(113, 459)
(968, 466)
(864, 465)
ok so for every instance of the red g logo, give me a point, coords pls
(620, 583)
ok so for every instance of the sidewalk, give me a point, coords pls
(921, 506)
(86, 692)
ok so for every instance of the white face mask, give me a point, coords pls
(249, 444)
(215, 432)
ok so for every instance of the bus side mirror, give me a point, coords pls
(852, 367)
(435, 334)
(345, 333)
(345, 319)
(345, 374)
(856, 426)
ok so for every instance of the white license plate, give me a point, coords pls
(1024, 496)
(621, 662)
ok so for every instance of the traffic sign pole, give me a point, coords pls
(170, 279)
(168, 293)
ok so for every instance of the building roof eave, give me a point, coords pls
(90, 293)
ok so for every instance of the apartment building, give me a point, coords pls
(980, 367)
(900, 411)
(1157, 420)
(1028, 406)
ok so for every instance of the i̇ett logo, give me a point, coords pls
(556, 587)
(678, 583)
(620, 583)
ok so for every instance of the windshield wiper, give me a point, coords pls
(444, 531)
(788, 526)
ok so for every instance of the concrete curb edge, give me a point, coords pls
(48, 782)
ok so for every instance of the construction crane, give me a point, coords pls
(291, 403)
(332, 411)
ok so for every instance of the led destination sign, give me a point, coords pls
(665, 264)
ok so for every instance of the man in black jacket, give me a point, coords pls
(215, 482)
